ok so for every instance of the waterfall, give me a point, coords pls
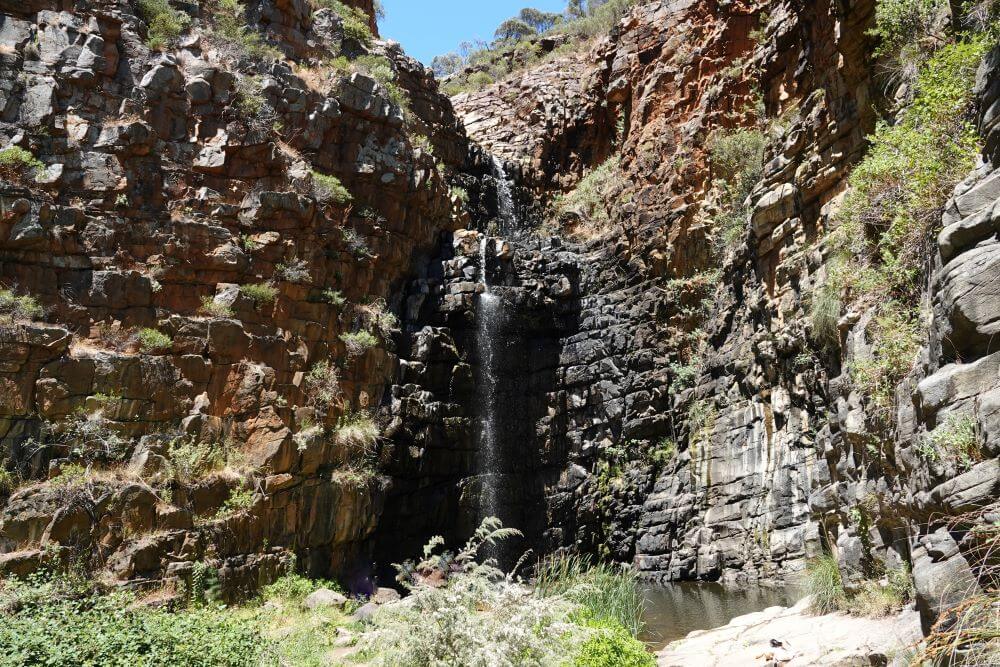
(489, 310)
(505, 198)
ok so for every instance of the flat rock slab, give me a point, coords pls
(834, 639)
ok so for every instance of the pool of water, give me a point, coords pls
(674, 610)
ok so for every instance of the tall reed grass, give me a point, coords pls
(609, 592)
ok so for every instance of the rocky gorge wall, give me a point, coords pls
(172, 180)
(765, 458)
(662, 397)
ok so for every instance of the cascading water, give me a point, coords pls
(488, 320)
(489, 311)
(505, 198)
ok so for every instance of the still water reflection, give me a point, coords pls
(674, 610)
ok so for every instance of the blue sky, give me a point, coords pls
(427, 28)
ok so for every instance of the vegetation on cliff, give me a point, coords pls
(516, 45)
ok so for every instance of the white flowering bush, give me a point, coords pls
(462, 612)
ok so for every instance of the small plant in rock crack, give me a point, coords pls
(14, 308)
(356, 244)
(151, 340)
(359, 343)
(239, 500)
(333, 297)
(328, 188)
(295, 271)
(378, 316)
(18, 164)
(958, 440)
(260, 293)
(213, 308)
(322, 385)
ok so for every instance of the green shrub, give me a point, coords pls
(356, 243)
(260, 293)
(903, 24)
(151, 340)
(165, 24)
(329, 188)
(190, 460)
(356, 22)
(249, 98)
(15, 308)
(958, 440)
(53, 623)
(213, 308)
(824, 584)
(229, 26)
(895, 336)
(595, 198)
(737, 159)
(296, 588)
(898, 191)
(334, 297)
(610, 645)
(17, 163)
(608, 592)
(322, 384)
(239, 500)
(824, 315)
(358, 343)
(460, 194)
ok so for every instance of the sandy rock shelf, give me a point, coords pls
(831, 640)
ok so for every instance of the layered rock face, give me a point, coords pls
(658, 396)
(774, 458)
(172, 181)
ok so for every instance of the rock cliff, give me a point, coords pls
(310, 226)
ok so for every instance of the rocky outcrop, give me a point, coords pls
(795, 637)
(173, 180)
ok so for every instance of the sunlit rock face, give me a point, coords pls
(655, 399)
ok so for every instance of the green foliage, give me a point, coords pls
(249, 99)
(899, 190)
(903, 24)
(15, 308)
(322, 384)
(663, 453)
(151, 340)
(294, 271)
(611, 645)
(229, 26)
(824, 584)
(239, 500)
(595, 199)
(895, 336)
(334, 297)
(52, 622)
(357, 433)
(957, 440)
(296, 588)
(356, 244)
(213, 308)
(329, 188)
(359, 342)
(513, 30)
(356, 24)
(597, 21)
(460, 194)
(260, 293)
(737, 159)
(165, 24)
(8, 480)
(16, 163)
(825, 316)
(190, 460)
(876, 599)
(609, 593)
